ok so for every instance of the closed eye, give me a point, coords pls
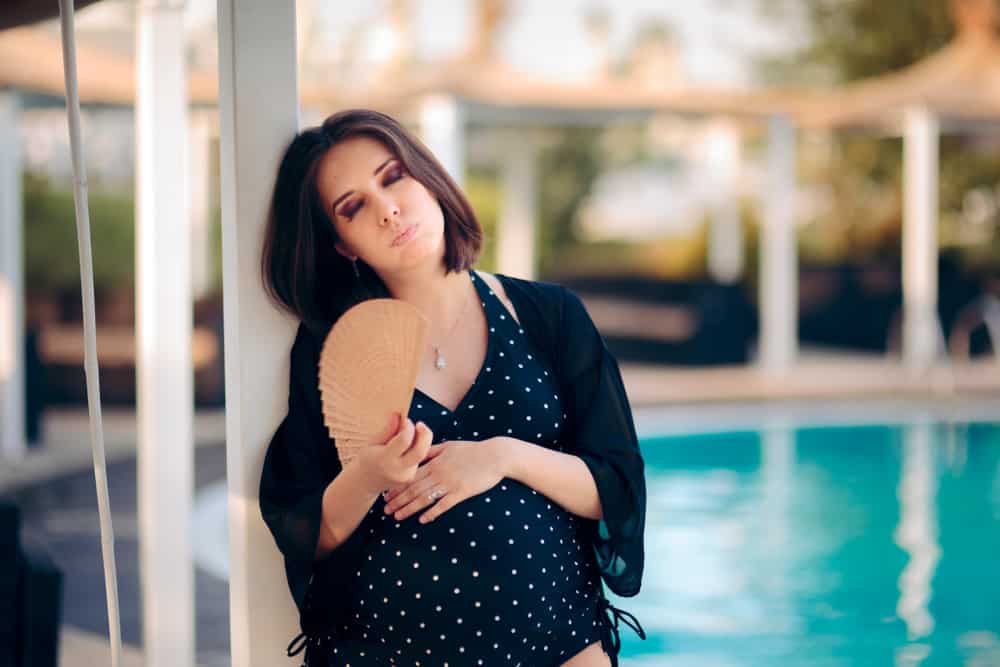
(392, 175)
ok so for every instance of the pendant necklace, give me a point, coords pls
(440, 362)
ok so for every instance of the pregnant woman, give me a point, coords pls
(483, 529)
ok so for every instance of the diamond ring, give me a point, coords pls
(435, 494)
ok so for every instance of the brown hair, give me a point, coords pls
(302, 271)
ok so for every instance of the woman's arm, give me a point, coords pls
(564, 478)
(346, 501)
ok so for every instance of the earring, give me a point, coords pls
(354, 263)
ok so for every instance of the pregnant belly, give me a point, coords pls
(505, 554)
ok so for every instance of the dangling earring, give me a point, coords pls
(354, 263)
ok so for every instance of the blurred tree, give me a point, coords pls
(856, 39)
(853, 39)
(483, 190)
(50, 243)
(568, 167)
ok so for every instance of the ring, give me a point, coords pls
(435, 494)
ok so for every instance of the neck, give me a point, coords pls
(437, 295)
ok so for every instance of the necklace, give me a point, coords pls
(440, 362)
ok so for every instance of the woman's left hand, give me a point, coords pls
(460, 469)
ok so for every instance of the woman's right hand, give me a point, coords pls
(395, 462)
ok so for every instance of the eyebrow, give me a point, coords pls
(333, 206)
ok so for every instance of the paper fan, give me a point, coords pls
(367, 371)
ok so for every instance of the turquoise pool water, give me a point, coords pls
(817, 547)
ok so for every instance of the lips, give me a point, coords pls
(405, 235)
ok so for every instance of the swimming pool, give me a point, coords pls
(874, 544)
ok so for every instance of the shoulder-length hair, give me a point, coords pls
(301, 270)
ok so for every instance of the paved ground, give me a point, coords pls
(60, 516)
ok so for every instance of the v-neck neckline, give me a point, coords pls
(487, 360)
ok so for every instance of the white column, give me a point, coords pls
(778, 342)
(12, 434)
(516, 226)
(442, 129)
(203, 130)
(258, 87)
(725, 230)
(921, 332)
(164, 392)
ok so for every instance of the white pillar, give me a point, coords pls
(442, 129)
(516, 254)
(778, 337)
(725, 229)
(204, 128)
(921, 332)
(164, 391)
(12, 425)
(258, 87)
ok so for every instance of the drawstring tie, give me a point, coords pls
(298, 644)
(611, 639)
(302, 642)
(309, 643)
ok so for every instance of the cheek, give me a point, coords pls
(423, 200)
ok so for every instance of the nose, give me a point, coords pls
(390, 214)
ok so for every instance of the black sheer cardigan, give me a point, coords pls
(301, 461)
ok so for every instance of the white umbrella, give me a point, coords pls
(66, 12)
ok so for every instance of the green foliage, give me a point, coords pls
(856, 39)
(853, 39)
(483, 192)
(567, 170)
(50, 240)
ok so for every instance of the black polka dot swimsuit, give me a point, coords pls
(499, 579)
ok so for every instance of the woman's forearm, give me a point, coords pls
(563, 478)
(345, 502)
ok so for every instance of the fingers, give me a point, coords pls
(391, 428)
(395, 491)
(404, 436)
(433, 451)
(421, 442)
(412, 500)
(444, 504)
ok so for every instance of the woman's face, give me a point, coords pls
(381, 214)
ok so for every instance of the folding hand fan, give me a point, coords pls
(367, 371)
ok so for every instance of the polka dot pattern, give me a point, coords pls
(502, 578)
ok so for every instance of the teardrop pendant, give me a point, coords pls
(439, 362)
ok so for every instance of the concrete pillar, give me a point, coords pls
(442, 129)
(164, 391)
(516, 227)
(778, 342)
(258, 87)
(12, 425)
(204, 129)
(921, 332)
(725, 230)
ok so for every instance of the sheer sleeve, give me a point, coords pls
(300, 463)
(604, 438)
